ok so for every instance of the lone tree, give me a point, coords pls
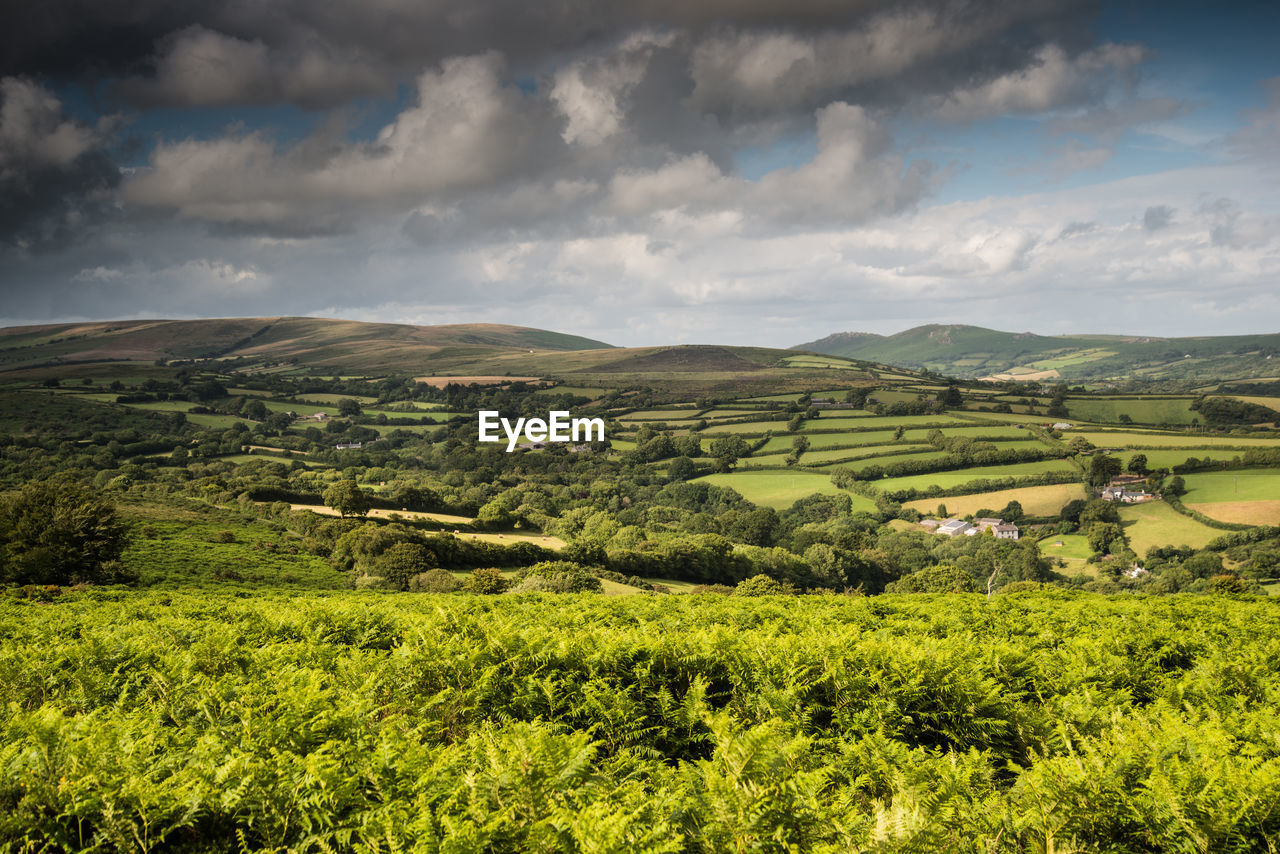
(59, 533)
(347, 498)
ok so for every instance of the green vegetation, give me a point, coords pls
(1157, 524)
(1233, 485)
(367, 631)
(971, 351)
(780, 489)
(635, 723)
(952, 479)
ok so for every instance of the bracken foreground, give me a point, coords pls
(271, 721)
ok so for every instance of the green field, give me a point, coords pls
(767, 461)
(1035, 500)
(871, 421)
(748, 428)
(1074, 550)
(825, 456)
(1234, 485)
(1012, 418)
(781, 489)
(950, 479)
(660, 415)
(1132, 439)
(1157, 524)
(858, 465)
(1143, 410)
(1168, 459)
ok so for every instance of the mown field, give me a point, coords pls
(1035, 500)
(1157, 524)
(367, 722)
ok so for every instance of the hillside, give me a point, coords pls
(309, 341)
(972, 351)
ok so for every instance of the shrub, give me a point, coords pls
(59, 533)
(560, 576)
(759, 585)
(434, 581)
(486, 581)
(403, 561)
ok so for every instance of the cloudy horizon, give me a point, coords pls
(736, 171)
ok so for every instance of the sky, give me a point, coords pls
(648, 171)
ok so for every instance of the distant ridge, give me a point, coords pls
(977, 352)
(316, 342)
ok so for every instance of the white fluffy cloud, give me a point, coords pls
(464, 130)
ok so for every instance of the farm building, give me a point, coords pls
(952, 527)
(1006, 531)
(1125, 496)
(348, 446)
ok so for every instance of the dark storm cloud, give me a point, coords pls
(317, 54)
(54, 175)
(1157, 217)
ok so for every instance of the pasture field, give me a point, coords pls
(818, 441)
(270, 458)
(1234, 485)
(842, 421)
(1035, 500)
(376, 721)
(1074, 550)
(1168, 459)
(1157, 524)
(950, 479)
(781, 489)
(1265, 512)
(220, 421)
(682, 414)
(767, 461)
(575, 390)
(1012, 418)
(331, 400)
(819, 362)
(979, 431)
(826, 456)
(381, 513)
(748, 428)
(713, 414)
(1143, 410)
(858, 465)
(1133, 439)
(420, 427)
(1246, 496)
(1269, 402)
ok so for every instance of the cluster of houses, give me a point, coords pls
(1126, 496)
(958, 527)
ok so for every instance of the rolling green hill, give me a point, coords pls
(134, 350)
(314, 342)
(972, 351)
